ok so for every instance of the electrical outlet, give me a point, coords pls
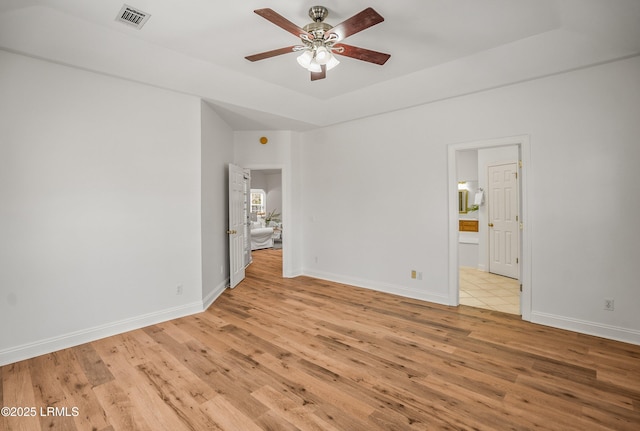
(419, 276)
(609, 304)
(179, 289)
(413, 273)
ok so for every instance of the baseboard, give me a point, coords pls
(586, 327)
(211, 297)
(380, 287)
(292, 274)
(31, 350)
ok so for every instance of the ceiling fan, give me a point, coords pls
(321, 40)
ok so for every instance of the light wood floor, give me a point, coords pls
(303, 354)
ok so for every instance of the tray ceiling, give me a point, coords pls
(438, 48)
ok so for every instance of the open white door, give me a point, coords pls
(237, 224)
(504, 232)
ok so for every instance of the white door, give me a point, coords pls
(237, 224)
(504, 235)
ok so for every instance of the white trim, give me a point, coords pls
(379, 287)
(525, 155)
(41, 347)
(215, 294)
(293, 274)
(76, 338)
(586, 327)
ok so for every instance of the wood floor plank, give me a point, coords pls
(120, 408)
(77, 389)
(227, 416)
(302, 354)
(154, 411)
(301, 416)
(169, 368)
(48, 392)
(18, 394)
(215, 369)
(317, 390)
(182, 400)
(270, 421)
(175, 332)
(91, 363)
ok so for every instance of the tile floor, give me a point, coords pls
(485, 290)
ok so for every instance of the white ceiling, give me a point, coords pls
(439, 49)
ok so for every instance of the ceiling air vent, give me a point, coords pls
(132, 16)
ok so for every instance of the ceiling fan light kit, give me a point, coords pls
(313, 58)
(320, 41)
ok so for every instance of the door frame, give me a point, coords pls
(524, 150)
(287, 216)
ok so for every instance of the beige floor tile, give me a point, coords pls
(480, 293)
(473, 302)
(494, 300)
(504, 292)
(507, 308)
(514, 300)
(485, 290)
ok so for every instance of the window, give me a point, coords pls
(258, 201)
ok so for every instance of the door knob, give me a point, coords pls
(231, 232)
(490, 224)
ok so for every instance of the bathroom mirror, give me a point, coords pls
(463, 200)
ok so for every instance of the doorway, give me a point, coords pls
(270, 213)
(460, 243)
(266, 217)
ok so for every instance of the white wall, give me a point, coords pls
(375, 194)
(274, 192)
(467, 165)
(258, 180)
(100, 206)
(217, 153)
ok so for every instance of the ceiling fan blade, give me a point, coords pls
(282, 22)
(361, 53)
(319, 75)
(269, 54)
(361, 21)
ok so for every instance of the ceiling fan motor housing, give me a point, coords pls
(318, 13)
(318, 27)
